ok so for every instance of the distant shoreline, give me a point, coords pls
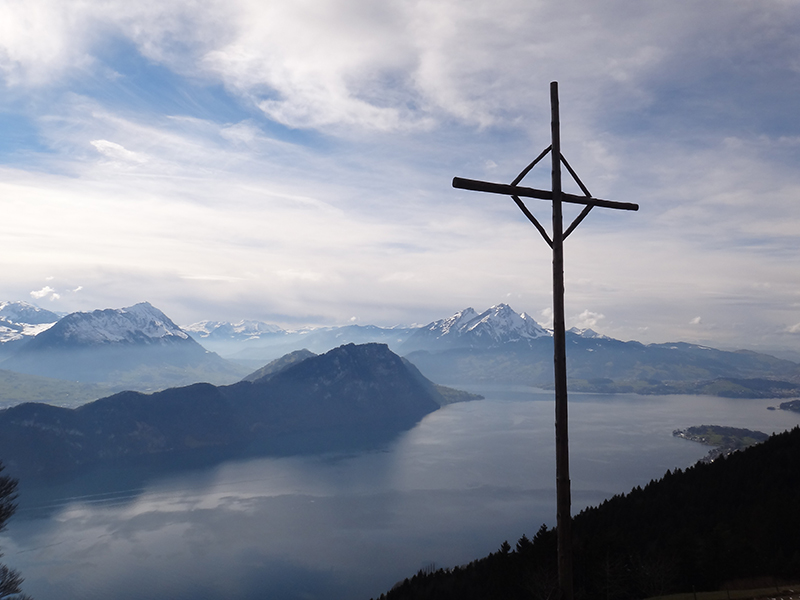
(721, 387)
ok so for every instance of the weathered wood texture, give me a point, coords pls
(563, 493)
(526, 192)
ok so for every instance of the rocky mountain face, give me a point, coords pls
(138, 346)
(348, 392)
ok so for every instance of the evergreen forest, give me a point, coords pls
(732, 523)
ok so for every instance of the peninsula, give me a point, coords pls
(725, 440)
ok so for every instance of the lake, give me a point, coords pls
(350, 525)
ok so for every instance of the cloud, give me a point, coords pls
(217, 278)
(292, 274)
(588, 319)
(696, 321)
(116, 152)
(244, 133)
(394, 65)
(322, 63)
(303, 153)
(44, 292)
(39, 41)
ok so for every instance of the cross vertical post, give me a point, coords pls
(557, 196)
(563, 493)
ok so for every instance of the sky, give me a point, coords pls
(291, 161)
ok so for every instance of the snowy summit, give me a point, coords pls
(21, 320)
(498, 325)
(243, 330)
(138, 324)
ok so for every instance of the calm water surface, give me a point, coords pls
(350, 525)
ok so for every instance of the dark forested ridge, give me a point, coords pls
(704, 528)
(349, 393)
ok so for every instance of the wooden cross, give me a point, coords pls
(557, 197)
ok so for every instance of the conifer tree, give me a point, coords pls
(10, 579)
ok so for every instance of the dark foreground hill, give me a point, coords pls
(337, 397)
(712, 526)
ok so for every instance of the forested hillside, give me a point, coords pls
(704, 528)
(350, 395)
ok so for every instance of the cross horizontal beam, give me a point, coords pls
(514, 190)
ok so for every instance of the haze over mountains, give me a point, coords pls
(256, 341)
(351, 397)
(140, 348)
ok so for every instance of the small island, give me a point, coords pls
(725, 440)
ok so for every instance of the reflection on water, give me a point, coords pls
(349, 525)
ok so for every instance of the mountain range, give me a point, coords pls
(135, 347)
(501, 346)
(21, 321)
(256, 341)
(346, 396)
(605, 365)
(493, 328)
(140, 348)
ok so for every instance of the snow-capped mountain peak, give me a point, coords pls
(495, 326)
(22, 320)
(588, 334)
(456, 323)
(243, 330)
(140, 323)
(25, 312)
(502, 324)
